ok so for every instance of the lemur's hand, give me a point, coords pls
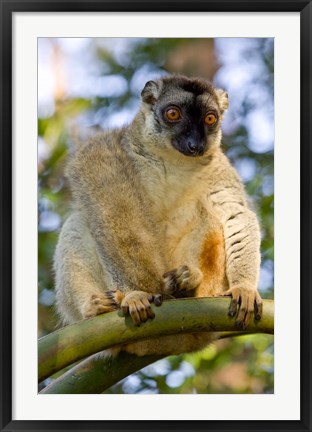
(247, 302)
(137, 304)
(180, 281)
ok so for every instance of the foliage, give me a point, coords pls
(98, 87)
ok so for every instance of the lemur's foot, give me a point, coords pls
(137, 304)
(245, 302)
(180, 281)
(99, 303)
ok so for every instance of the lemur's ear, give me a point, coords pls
(223, 99)
(150, 92)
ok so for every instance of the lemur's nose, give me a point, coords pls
(191, 144)
(194, 146)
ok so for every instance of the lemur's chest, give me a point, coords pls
(180, 221)
(178, 203)
(174, 196)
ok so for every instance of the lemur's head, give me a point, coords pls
(183, 114)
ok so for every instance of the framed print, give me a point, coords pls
(171, 71)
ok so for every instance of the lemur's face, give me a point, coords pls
(184, 114)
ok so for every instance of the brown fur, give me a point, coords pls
(212, 265)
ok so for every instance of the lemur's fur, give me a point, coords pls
(158, 210)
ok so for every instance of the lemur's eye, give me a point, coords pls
(173, 114)
(210, 119)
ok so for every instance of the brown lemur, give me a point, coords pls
(158, 210)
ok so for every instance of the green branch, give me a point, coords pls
(87, 337)
(98, 372)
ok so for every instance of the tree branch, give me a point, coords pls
(98, 372)
(77, 341)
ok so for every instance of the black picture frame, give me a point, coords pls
(8, 7)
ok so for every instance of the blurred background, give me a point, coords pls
(85, 85)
